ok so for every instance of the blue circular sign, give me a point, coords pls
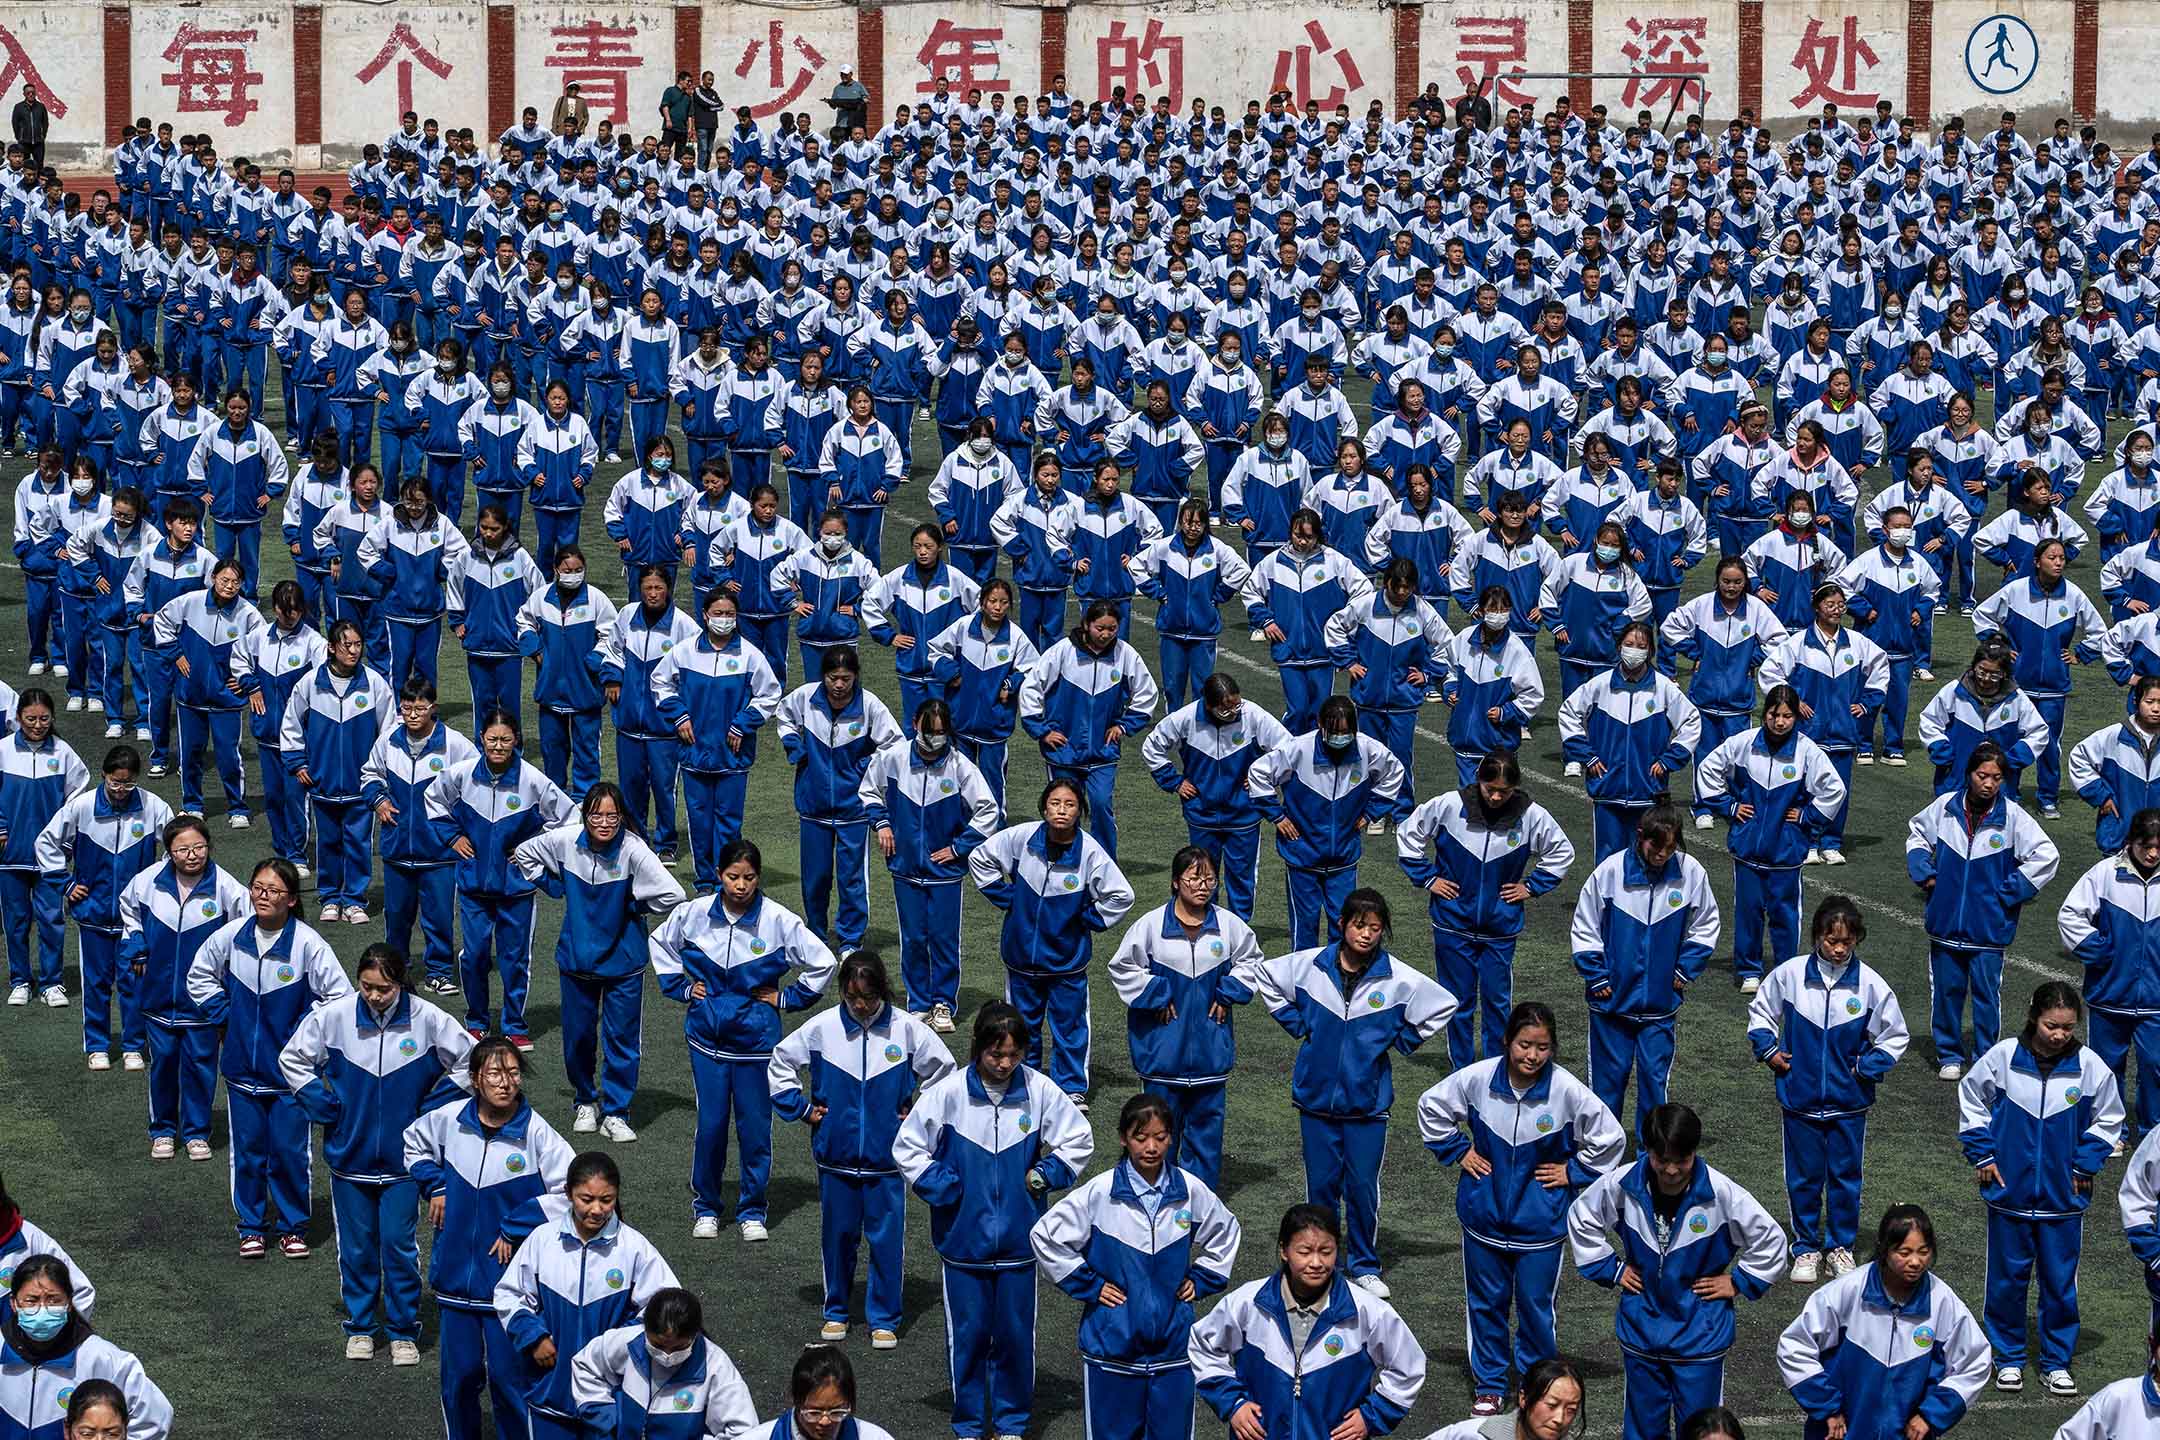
(2002, 54)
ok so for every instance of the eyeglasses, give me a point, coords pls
(269, 892)
(189, 852)
(825, 1417)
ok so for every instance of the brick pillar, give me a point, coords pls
(1919, 61)
(1751, 57)
(1053, 43)
(689, 38)
(2085, 60)
(307, 76)
(119, 74)
(1409, 24)
(870, 58)
(502, 69)
(1581, 54)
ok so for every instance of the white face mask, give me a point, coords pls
(1801, 519)
(669, 1359)
(571, 579)
(933, 744)
(501, 389)
(82, 488)
(1634, 656)
(720, 626)
(1900, 534)
(1495, 619)
(833, 544)
(981, 446)
(2141, 456)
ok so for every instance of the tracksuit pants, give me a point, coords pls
(1661, 1393)
(104, 978)
(989, 757)
(272, 1154)
(498, 933)
(1343, 1156)
(1620, 1044)
(1187, 663)
(836, 853)
(220, 729)
(1041, 616)
(1124, 1404)
(1061, 1002)
(1897, 703)
(1765, 901)
(737, 1090)
(414, 648)
(929, 942)
(240, 542)
(344, 861)
(1612, 827)
(1822, 1168)
(28, 899)
(183, 1080)
(493, 680)
(1953, 976)
(284, 803)
(990, 1345)
(2115, 1037)
(426, 896)
(1236, 854)
(1304, 688)
(1479, 971)
(867, 1211)
(378, 1254)
(603, 1026)
(1716, 730)
(2016, 1246)
(1316, 901)
(570, 749)
(646, 768)
(158, 714)
(2047, 766)
(1397, 731)
(123, 652)
(474, 1351)
(1196, 1113)
(1495, 1280)
(713, 806)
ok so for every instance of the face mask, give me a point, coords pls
(571, 580)
(1338, 743)
(934, 744)
(981, 446)
(1893, 312)
(2141, 456)
(80, 317)
(82, 488)
(42, 1322)
(721, 626)
(1607, 554)
(661, 464)
(1801, 519)
(668, 1358)
(1634, 656)
(1237, 292)
(500, 389)
(1495, 619)
(1310, 316)
(472, 252)
(2015, 297)
(554, 217)
(1443, 351)
(1223, 717)
(833, 544)
(1275, 443)
(1900, 535)
(1713, 361)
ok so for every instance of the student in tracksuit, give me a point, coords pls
(714, 693)
(2041, 615)
(1528, 1137)
(1057, 887)
(240, 467)
(1321, 790)
(1290, 596)
(983, 1148)
(978, 664)
(1829, 1028)
(913, 603)
(1645, 926)
(349, 591)
(1777, 789)
(1691, 1241)
(1087, 694)
(488, 1167)
(364, 1067)
(555, 461)
(268, 666)
(1349, 1004)
(608, 880)
(484, 591)
(568, 630)
(166, 914)
(2111, 923)
(725, 956)
(1629, 729)
(1303, 1352)
(829, 730)
(1137, 1246)
(1979, 857)
(441, 399)
(94, 845)
(1887, 1345)
(419, 870)
(2038, 1117)
(869, 1060)
(1841, 678)
(2139, 1202)
(2116, 769)
(1034, 525)
(1985, 703)
(38, 772)
(662, 1380)
(104, 555)
(573, 1280)
(1178, 971)
(647, 750)
(1481, 854)
(202, 630)
(1393, 648)
(333, 718)
(64, 1374)
(928, 807)
(1191, 576)
(1203, 753)
(411, 558)
(256, 979)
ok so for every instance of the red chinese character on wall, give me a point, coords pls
(1669, 44)
(786, 89)
(597, 58)
(211, 73)
(1294, 70)
(1150, 61)
(404, 48)
(1488, 50)
(967, 55)
(1822, 56)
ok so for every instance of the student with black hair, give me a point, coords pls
(47, 1350)
(641, 1380)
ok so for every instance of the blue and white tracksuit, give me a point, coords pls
(1298, 594)
(1585, 604)
(2119, 763)
(1343, 1085)
(1854, 1352)
(1190, 585)
(1358, 1356)
(1627, 726)
(971, 1156)
(1640, 939)
(1513, 1224)
(1726, 645)
(2041, 626)
(1327, 795)
(35, 782)
(1673, 1344)
(1832, 672)
(2048, 1129)
(34, 1397)
(499, 1184)
(2111, 923)
(494, 813)
(1450, 837)
(600, 952)
(1149, 1240)
(195, 630)
(331, 725)
(731, 1034)
(271, 663)
(416, 568)
(648, 750)
(622, 1393)
(830, 751)
(571, 633)
(1485, 671)
(918, 605)
(1957, 720)
(419, 870)
(1840, 1029)
(1983, 869)
(1055, 899)
(979, 675)
(364, 1077)
(1191, 747)
(1172, 985)
(1077, 692)
(91, 844)
(241, 472)
(1391, 644)
(928, 804)
(1768, 848)
(721, 691)
(1893, 598)
(483, 591)
(865, 1077)
(563, 1288)
(258, 990)
(160, 931)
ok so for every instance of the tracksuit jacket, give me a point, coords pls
(1853, 1351)
(1842, 1032)
(89, 843)
(492, 1184)
(2111, 923)
(1832, 676)
(1630, 725)
(734, 955)
(1984, 870)
(355, 1075)
(1156, 968)
(929, 805)
(1342, 1069)
(867, 1076)
(830, 749)
(1449, 837)
(1556, 1121)
(573, 637)
(1216, 758)
(497, 813)
(1637, 932)
(1327, 794)
(2119, 763)
(2040, 1128)
(332, 730)
(1957, 720)
(1748, 770)
(620, 1396)
(969, 1158)
(162, 935)
(261, 995)
(1053, 900)
(1074, 690)
(570, 1290)
(606, 893)
(716, 688)
(1360, 1356)
(974, 670)
(394, 772)
(1477, 676)
(1726, 646)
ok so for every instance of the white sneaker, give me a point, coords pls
(301, 870)
(1951, 1071)
(1376, 827)
(614, 457)
(707, 1228)
(1573, 767)
(157, 772)
(142, 732)
(18, 995)
(404, 1352)
(198, 1150)
(1840, 1261)
(585, 1119)
(884, 1340)
(2058, 1382)
(237, 822)
(754, 1232)
(94, 705)
(1923, 673)
(1865, 757)
(2010, 1378)
(74, 704)
(2051, 812)
(55, 998)
(131, 1060)
(832, 1332)
(1813, 857)
(99, 1060)
(114, 732)
(1833, 857)
(1895, 762)
(2122, 1148)
(941, 1018)
(1705, 822)
(356, 915)
(162, 1148)
(37, 667)
(59, 670)
(1372, 1285)
(615, 1128)
(331, 914)
(359, 1347)
(1750, 984)
(1806, 1269)
(1258, 637)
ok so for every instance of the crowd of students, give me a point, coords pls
(1127, 333)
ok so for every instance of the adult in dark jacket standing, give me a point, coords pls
(32, 123)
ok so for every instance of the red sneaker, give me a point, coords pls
(523, 1043)
(251, 1247)
(292, 1247)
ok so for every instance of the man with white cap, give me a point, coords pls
(850, 102)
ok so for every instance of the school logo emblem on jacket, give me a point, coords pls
(1745, 631)
(408, 1047)
(1923, 1337)
(1544, 1124)
(945, 787)
(284, 974)
(2070, 1096)
(1995, 842)
(512, 803)
(1183, 1219)
(136, 831)
(515, 1164)
(757, 947)
(61, 1397)
(892, 1054)
(614, 1279)
(361, 702)
(1791, 773)
(209, 907)
(1333, 1345)
(232, 632)
(292, 662)
(1377, 999)
(1001, 654)
(435, 764)
(684, 1399)
(1026, 1122)
(1698, 1223)
(1675, 899)
(1852, 1004)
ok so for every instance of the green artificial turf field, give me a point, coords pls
(248, 1348)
